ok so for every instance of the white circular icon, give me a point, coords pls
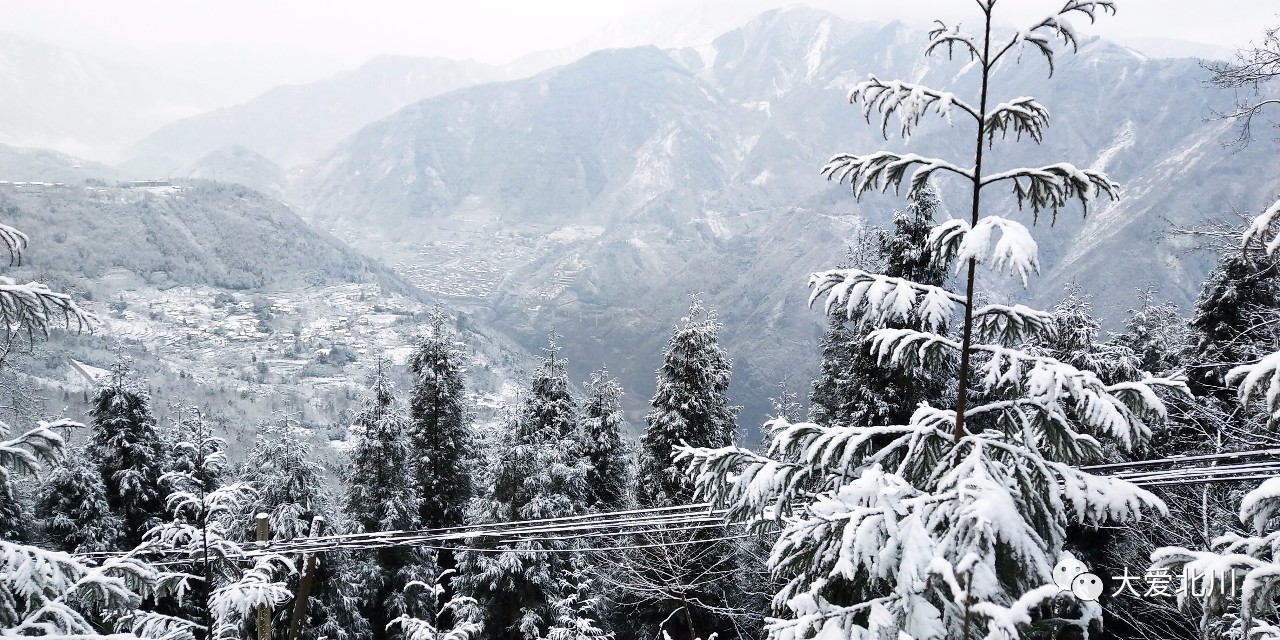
(1066, 570)
(1087, 586)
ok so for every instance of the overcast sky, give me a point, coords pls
(267, 42)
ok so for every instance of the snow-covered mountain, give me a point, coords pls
(296, 123)
(238, 165)
(58, 98)
(608, 190)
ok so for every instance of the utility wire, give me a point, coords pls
(1203, 469)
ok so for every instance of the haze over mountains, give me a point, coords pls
(671, 172)
(76, 103)
(595, 197)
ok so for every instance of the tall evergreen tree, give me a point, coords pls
(72, 507)
(196, 458)
(1155, 332)
(129, 453)
(439, 434)
(289, 486)
(690, 405)
(948, 525)
(1228, 325)
(853, 387)
(380, 497)
(539, 474)
(608, 463)
(683, 583)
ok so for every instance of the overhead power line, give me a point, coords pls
(502, 537)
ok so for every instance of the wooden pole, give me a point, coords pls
(305, 582)
(264, 614)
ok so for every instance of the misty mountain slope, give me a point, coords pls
(239, 165)
(296, 123)
(196, 233)
(597, 196)
(618, 124)
(76, 103)
(20, 164)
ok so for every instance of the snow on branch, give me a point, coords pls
(910, 102)
(48, 591)
(25, 452)
(876, 299)
(257, 586)
(1251, 378)
(1262, 227)
(1016, 250)
(1011, 324)
(1261, 505)
(952, 38)
(758, 481)
(1119, 410)
(14, 242)
(884, 169)
(35, 307)
(908, 348)
(1096, 500)
(1053, 186)
(1067, 394)
(1041, 35)
(1021, 116)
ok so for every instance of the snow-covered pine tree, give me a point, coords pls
(575, 616)
(194, 470)
(227, 585)
(854, 387)
(72, 507)
(786, 405)
(1228, 326)
(289, 483)
(682, 583)
(444, 617)
(1073, 339)
(380, 497)
(289, 487)
(948, 525)
(197, 458)
(441, 439)
(1155, 332)
(690, 405)
(609, 463)
(539, 474)
(439, 433)
(128, 451)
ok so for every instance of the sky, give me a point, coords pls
(250, 45)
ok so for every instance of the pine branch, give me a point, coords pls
(1021, 116)
(885, 169)
(1041, 35)
(956, 241)
(876, 299)
(34, 307)
(1054, 185)
(910, 102)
